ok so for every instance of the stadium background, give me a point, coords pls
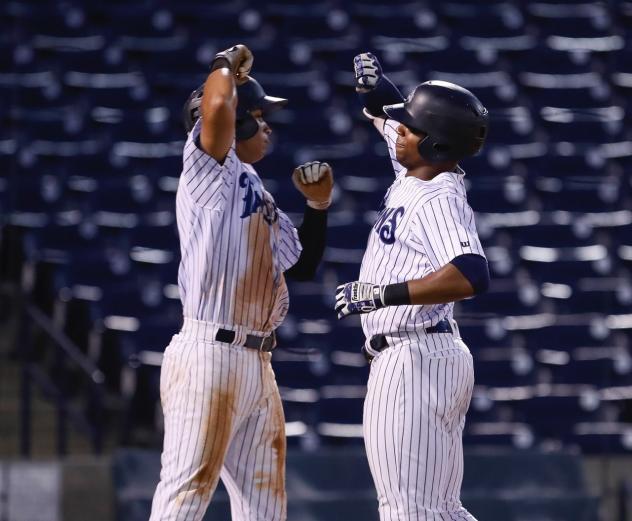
(90, 153)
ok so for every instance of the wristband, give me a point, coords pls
(396, 295)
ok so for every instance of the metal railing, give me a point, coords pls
(68, 364)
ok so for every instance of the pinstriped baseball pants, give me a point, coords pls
(223, 417)
(414, 414)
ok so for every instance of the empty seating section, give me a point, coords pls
(90, 154)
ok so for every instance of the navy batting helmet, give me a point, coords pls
(250, 97)
(454, 120)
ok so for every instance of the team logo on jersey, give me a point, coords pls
(386, 224)
(256, 200)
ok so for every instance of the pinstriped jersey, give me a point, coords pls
(235, 243)
(421, 227)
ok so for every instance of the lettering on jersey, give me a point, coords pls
(465, 244)
(386, 224)
(255, 200)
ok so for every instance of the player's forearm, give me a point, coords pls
(219, 104)
(446, 285)
(465, 276)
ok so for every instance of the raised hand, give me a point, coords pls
(315, 180)
(238, 59)
(368, 71)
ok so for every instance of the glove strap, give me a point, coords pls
(377, 294)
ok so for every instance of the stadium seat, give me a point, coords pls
(599, 366)
(340, 414)
(503, 366)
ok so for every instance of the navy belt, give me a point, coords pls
(379, 342)
(260, 343)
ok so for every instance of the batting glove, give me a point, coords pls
(357, 297)
(315, 181)
(368, 71)
(237, 58)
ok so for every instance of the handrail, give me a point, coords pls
(67, 352)
(95, 375)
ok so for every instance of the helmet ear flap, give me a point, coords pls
(246, 127)
(432, 151)
(191, 109)
(425, 148)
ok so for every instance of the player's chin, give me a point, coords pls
(262, 151)
(252, 150)
(400, 154)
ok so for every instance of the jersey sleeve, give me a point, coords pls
(446, 229)
(389, 133)
(206, 180)
(289, 244)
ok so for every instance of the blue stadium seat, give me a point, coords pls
(391, 25)
(135, 153)
(552, 235)
(483, 331)
(620, 72)
(300, 368)
(353, 235)
(498, 434)
(491, 194)
(621, 236)
(503, 367)
(570, 263)
(597, 194)
(504, 295)
(585, 32)
(566, 333)
(347, 368)
(599, 124)
(48, 249)
(600, 366)
(551, 410)
(496, 34)
(340, 414)
(513, 125)
(606, 437)
(590, 295)
(543, 60)
(50, 25)
(365, 191)
(309, 25)
(244, 25)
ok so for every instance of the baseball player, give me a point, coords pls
(422, 255)
(222, 410)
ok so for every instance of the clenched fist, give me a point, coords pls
(315, 180)
(238, 59)
(367, 70)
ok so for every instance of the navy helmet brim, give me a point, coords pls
(399, 113)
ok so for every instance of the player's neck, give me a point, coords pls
(427, 171)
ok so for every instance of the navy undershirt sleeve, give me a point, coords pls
(312, 233)
(474, 268)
